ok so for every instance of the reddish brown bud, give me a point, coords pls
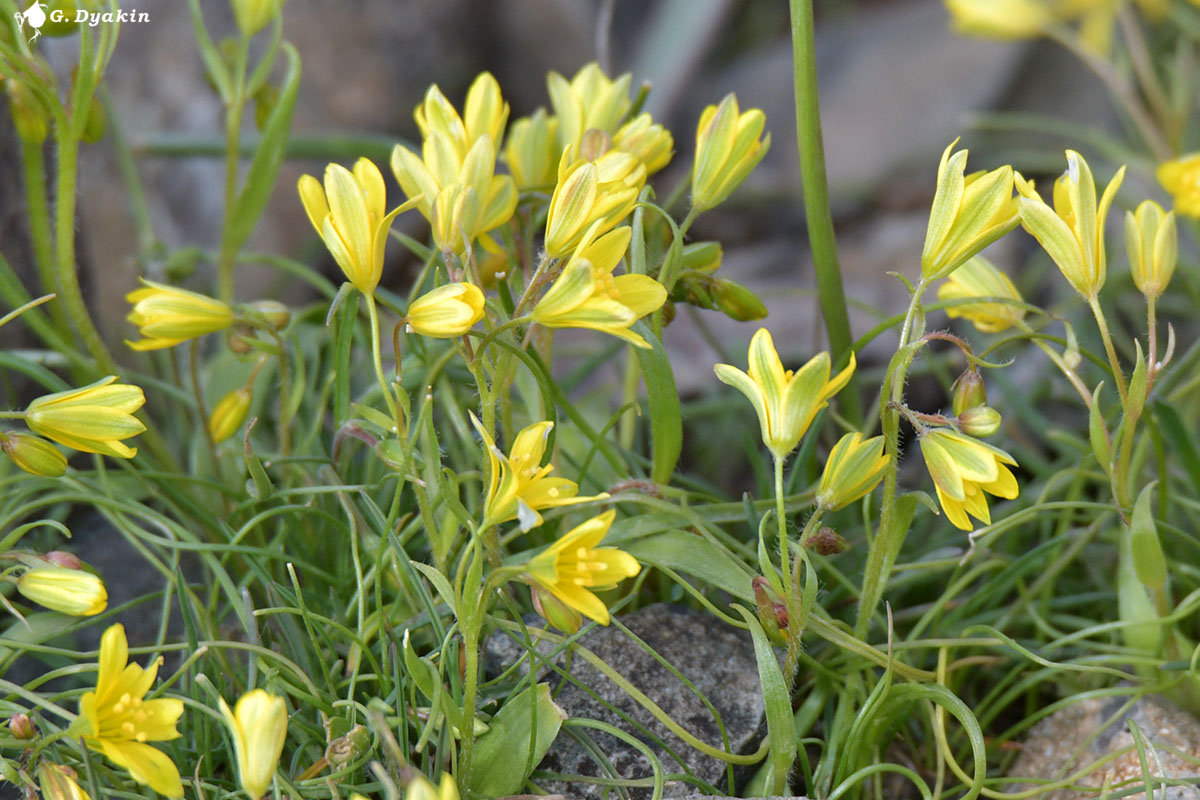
(61, 558)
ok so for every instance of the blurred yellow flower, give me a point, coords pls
(588, 295)
(532, 150)
(446, 311)
(93, 419)
(1072, 233)
(420, 788)
(597, 193)
(969, 212)
(68, 591)
(485, 114)
(727, 149)
(573, 565)
(647, 141)
(166, 315)
(57, 782)
(785, 401)
(963, 469)
(1181, 178)
(258, 725)
(999, 19)
(228, 414)
(590, 101)
(254, 15)
(1153, 245)
(349, 214)
(116, 720)
(853, 469)
(33, 454)
(518, 485)
(980, 278)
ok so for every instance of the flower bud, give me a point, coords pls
(28, 114)
(555, 611)
(594, 144)
(702, 256)
(447, 311)
(532, 152)
(1181, 178)
(265, 100)
(69, 591)
(33, 454)
(602, 191)
(853, 469)
(649, 142)
(1153, 246)
(969, 391)
(826, 542)
(736, 301)
(344, 749)
(254, 15)
(57, 782)
(772, 614)
(228, 414)
(96, 122)
(727, 149)
(21, 726)
(258, 725)
(61, 558)
(979, 421)
(271, 313)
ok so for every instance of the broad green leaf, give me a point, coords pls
(503, 759)
(686, 552)
(780, 726)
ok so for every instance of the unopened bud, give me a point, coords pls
(61, 558)
(737, 302)
(969, 391)
(771, 613)
(668, 310)
(979, 421)
(21, 726)
(702, 256)
(271, 313)
(826, 542)
(33, 454)
(238, 341)
(344, 749)
(57, 782)
(28, 114)
(595, 143)
(253, 15)
(97, 122)
(229, 413)
(555, 611)
(69, 591)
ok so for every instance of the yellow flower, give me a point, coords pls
(93, 419)
(999, 19)
(602, 191)
(349, 214)
(459, 194)
(166, 315)
(532, 151)
(646, 140)
(117, 721)
(446, 311)
(228, 414)
(518, 484)
(1153, 246)
(727, 149)
(980, 278)
(420, 788)
(963, 469)
(258, 725)
(588, 295)
(785, 401)
(253, 15)
(969, 213)
(573, 565)
(58, 783)
(485, 114)
(590, 101)
(1181, 179)
(853, 469)
(1073, 232)
(33, 454)
(68, 591)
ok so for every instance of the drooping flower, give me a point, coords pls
(1072, 233)
(969, 212)
(167, 315)
(93, 419)
(573, 565)
(116, 720)
(518, 485)
(1181, 178)
(258, 725)
(785, 401)
(68, 591)
(588, 295)
(446, 311)
(599, 193)
(963, 469)
(349, 214)
(1153, 245)
(853, 469)
(980, 278)
(727, 149)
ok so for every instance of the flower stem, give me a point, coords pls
(1062, 365)
(781, 520)
(1102, 323)
(377, 363)
(233, 132)
(816, 198)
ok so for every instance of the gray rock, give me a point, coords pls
(1091, 731)
(716, 659)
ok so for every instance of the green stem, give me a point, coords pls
(40, 231)
(1102, 323)
(233, 130)
(201, 408)
(798, 612)
(285, 401)
(785, 564)
(816, 198)
(1053, 355)
(377, 363)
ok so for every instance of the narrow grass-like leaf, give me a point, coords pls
(778, 702)
(666, 417)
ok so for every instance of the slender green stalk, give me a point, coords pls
(41, 233)
(233, 131)
(816, 198)
(1102, 323)
(377, 364)
(785, 562)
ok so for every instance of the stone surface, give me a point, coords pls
(1092, 730)
(717, 659)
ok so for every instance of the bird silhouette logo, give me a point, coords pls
(34, 17)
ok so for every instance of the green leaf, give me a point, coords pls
(264, 167)
(503, 759)
(1148, 559)
(1098, 433)
(1136, 398)
(778, 701)
(686, 552)
(440, 584)
(1176, 432)
(666, 418)
(347, 298)
(259, 486)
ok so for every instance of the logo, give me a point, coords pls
(35, 17)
